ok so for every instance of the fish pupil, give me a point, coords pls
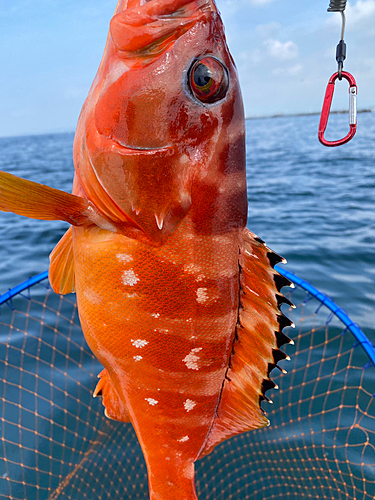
(202, 75)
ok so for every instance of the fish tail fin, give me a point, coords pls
(115, 408)
(38, 201)
(256, 346)
(61, 269)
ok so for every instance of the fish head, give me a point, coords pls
(164, 114)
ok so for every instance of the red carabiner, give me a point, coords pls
(327, 107)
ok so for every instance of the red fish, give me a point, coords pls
(177, 299)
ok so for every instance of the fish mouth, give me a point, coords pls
(146, 149)
(150, 219)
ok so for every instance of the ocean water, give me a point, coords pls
(313, 205)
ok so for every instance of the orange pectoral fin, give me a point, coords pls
(114, 406)
(61, 269)
(38, 201)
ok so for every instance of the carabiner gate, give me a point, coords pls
(327, 107)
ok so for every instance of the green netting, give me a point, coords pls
(57, 444)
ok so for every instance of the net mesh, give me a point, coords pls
(57, 444)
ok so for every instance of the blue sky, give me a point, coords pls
(284, 51)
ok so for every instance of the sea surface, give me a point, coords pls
(313, 205)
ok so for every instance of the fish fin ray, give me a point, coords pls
(115, 408)
(256, 346)
(37, 201)
(61, 269)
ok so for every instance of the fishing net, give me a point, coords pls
(57, 444)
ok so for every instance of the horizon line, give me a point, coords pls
(260, 117)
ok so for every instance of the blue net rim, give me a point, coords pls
(321, 297)
(324, 299)
(22, 286)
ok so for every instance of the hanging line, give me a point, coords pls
(339, 6)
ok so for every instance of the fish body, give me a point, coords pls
(164, 334)
(177, 299)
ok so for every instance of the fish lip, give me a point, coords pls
(138, 149)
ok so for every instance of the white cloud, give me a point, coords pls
(280, 50)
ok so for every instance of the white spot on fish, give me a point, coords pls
(151, 401)
(92, 297)
(188, 471)
(191, 360)
(189, 404)
(129, 277)
(137, 358)
(183, 439)
(202, 295)
(155, 315)
(139, 342)
(167, 458)
(192, 268)
(124, 257)
(252, 291)
(184, 159)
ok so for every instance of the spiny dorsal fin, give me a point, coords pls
(115, 408)
(256, 346)
(61, 268)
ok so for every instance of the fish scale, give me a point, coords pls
(160, 289)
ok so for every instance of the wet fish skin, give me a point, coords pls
(177, 299)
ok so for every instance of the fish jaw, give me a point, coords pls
(142, 193)
(144, 142)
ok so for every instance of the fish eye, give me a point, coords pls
(208, 79)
